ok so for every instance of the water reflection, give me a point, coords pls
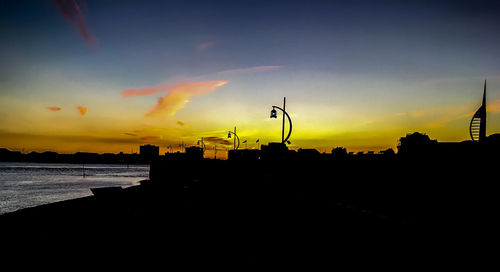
(30, 184)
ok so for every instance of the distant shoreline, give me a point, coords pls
(77, 163)
(76, 158)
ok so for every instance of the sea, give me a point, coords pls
(24, 185)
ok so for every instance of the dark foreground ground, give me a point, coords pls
(255, 214)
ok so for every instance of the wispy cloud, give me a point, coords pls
(217, 140)
(180, 123)
(130, 134)
(442, 115)
(153, 89)
(254, 69)
(179, 96)
(204, 46)
(82, 110)
(53, 108)
(73, 14)
(150, 139)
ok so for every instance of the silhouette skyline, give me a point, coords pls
(148, 152)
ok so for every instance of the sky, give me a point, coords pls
(108, 76)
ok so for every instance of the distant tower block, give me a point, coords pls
(478, 123)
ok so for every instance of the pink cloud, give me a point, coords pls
(73, 14)
(178, 96)
(204, 46)
(82, 110)
(152, 90)
(254, 69)
(52, 108)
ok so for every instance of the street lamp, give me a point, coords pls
(202, 145)
(274, 115)
(236, 137)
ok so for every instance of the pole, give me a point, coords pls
(234, 140)
(283, 126)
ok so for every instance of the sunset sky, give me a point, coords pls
(107, 76)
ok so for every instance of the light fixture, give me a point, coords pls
(273, 113)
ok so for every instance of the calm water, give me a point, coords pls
(25, 185)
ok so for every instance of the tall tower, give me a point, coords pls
(478, 123)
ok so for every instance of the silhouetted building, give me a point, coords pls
(191, 153)
(274, 151)
(149, 152)
(494, 139)
(175, 156)
(243, 154)
(339, 153)
(388, 152)
(415, 144)
(308, 154)
(419, 146)
(194, 153)
(477, 127)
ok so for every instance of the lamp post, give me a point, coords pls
(274, 115)
(235, 138)
(202, 145)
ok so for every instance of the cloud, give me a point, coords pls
(180, 123)
(150, 139)
(204, 46)
(82, 110)
(217, 140)
(179, 96)
(254, 69)
(152, 90)
(73, 14)
(130, 134)
(442, 115)
(52, 108)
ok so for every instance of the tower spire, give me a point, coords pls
(484, 94)
(478, 123)
(482, 128)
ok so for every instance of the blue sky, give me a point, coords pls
(356, 63)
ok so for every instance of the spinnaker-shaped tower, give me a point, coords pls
(478, 123)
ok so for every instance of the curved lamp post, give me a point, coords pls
(236, 137)
(274, 115)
